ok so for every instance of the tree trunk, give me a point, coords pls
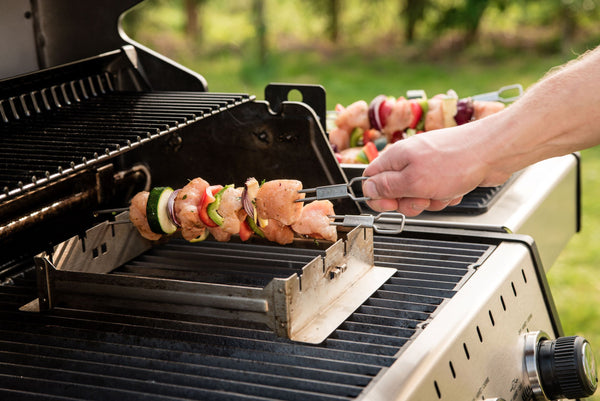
(568, 23)
(334, 20)
(412, 11)
(474, 11)
(261, 30)
(193, 26)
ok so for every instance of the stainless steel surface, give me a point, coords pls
(532, 377)
(335, 191)
(103, 247)
(505, 94)
(475, 348)
(383, 223)
(305, 307)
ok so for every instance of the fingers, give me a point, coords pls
(411, 207)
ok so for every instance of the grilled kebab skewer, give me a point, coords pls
(270, 210)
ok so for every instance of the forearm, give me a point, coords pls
(555, 117)
(428, 171)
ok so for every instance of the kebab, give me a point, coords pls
(363, 130)
(273, 210)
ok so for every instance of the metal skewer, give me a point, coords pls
(374, 222)
(336, 191)
(498, 95)
(114, 211)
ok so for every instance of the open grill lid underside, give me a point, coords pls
(89, 135)
(100, 355)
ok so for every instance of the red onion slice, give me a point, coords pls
(251, 187)
(247, 203)
(373, 113)
(170, 210)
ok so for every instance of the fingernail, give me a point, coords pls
(420, 204)
(370, 190)
(417, 207)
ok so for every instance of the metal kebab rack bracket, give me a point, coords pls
(305, 308)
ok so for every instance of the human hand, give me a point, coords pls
(429, 171)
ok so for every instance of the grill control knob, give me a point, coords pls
(561, 368)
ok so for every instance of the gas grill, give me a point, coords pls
(89, 310)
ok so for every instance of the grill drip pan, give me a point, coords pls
(112, 354)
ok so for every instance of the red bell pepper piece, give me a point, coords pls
(245, 231)
(369, 135)
(207, 199)
(417, 112)
(370, 151)
(397, 135)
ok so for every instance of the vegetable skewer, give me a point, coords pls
(198, 209)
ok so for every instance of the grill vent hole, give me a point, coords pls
(437, 389)
(452, 370)
(491, 317)
(524, 276)
(514, 290)
(502, 302)
(295, 95)
(466, 351)
(479, 335)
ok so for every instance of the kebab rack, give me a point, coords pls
(304, 307)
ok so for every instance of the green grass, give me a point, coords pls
(574, 278)
(350, 72)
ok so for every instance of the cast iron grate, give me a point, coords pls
(45, 135)
(76, 354)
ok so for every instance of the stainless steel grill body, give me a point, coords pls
(96, 119)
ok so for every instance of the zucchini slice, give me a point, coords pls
(157, 212)
(201, 237)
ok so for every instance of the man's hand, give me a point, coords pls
(429, 171)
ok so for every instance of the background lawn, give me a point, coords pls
(358, 68)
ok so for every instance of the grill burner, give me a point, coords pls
(113, 354)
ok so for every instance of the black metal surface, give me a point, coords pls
(69, 133)
(477, 201)
(75, 134)
(77, 354)
(64, 138)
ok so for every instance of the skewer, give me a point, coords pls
(374, 222)
(112, 222)
(110, 211)
(497, 95)
(336, 191)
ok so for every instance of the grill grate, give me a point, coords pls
(75, 354)
(48, 133)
